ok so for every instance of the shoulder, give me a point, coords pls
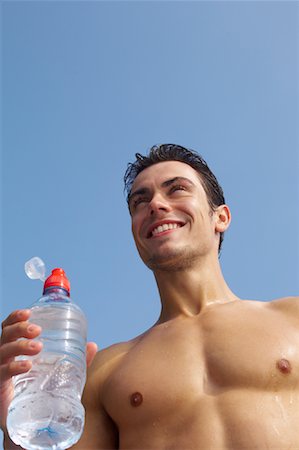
(107, 360)
(287, 305)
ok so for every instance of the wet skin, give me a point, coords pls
(225, 379)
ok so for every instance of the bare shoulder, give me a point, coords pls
(107, 360)
(109, 354)
(287, 305)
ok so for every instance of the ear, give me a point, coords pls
(222, 218)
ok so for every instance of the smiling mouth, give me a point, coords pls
(162, 228)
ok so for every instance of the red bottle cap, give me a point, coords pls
(58, 278)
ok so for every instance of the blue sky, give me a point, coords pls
(85, 85)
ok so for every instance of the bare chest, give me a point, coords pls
(176, 367)
(256, 350)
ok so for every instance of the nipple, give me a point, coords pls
(284, 366)
(136, 399)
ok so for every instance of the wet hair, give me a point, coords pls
(173, 152)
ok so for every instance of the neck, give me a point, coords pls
(189, 292)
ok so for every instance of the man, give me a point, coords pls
(214, 372)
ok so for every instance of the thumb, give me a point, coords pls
(91, 350)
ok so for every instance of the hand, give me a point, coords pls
(14, 328)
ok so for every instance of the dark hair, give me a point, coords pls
(173, 152)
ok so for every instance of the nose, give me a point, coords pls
(158, 203)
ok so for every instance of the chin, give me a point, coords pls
(172, 260)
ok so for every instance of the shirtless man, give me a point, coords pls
(215, 372)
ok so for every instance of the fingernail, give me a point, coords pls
(22, 313)
(23, 364)
(32, 328)
(33, 345)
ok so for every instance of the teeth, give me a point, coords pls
(165, 227)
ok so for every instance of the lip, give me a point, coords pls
(162, 222)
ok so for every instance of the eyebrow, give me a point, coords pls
(177, 179)
(144, 190)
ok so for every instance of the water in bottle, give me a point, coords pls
(46, 411)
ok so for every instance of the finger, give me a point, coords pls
(14, 368)
(19, 315)
(91, 350)
(19, 348)
(18, 330)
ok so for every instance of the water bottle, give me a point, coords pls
(46, 411)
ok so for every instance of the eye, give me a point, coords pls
(137, 201)
(177, 187)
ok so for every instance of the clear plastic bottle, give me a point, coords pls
(46, 411)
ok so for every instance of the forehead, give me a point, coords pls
(162, 171)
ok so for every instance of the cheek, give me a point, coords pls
(189, 208)
(135, 227)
